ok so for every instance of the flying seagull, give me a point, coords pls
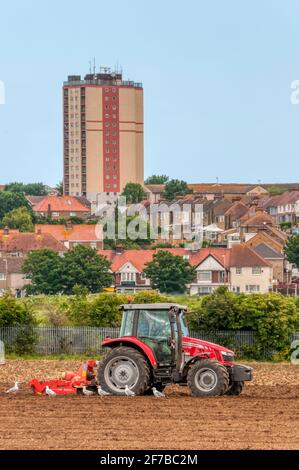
(86, 392)
(13, 389)
(50, 392)
(129, 392)
(157, 394)
(102, 392)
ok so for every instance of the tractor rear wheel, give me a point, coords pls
(124, 366)
(208, 377)
(235, 389)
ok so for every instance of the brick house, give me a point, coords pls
(61, 207)
(127, 267)
(284, 208)
(16, 244)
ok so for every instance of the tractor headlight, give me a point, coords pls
(227, 357)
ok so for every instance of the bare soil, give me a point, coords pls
(265, 416)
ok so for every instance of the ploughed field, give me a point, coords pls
(265, 416)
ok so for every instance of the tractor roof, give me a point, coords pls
(158, 306)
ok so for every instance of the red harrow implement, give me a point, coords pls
(71, 383)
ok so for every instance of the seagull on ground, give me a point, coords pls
(13, 389)
(102, 392)
(86, 392)
(158, 394)
(129, 392)
(50, 392)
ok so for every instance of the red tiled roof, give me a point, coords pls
(259, 219)
(220, 254)
(60, 204)
(237, 211)
(243, 256)
(76, 233)
(138, 258)
(25, 242)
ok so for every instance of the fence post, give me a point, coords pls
(2, 353)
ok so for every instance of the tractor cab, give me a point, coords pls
(154, 349)
(159, 326)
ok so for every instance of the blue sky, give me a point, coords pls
(216, 75)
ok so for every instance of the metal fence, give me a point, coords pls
(88, 340)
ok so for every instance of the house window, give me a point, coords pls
(2, 276)
(252, 288)
(204, 276)
(203, 290)
(238, 270)
(73, 214)
(256, 270)
(93, 244)
(236, 289)
(128, 277)
(143, 276)
(55, 214)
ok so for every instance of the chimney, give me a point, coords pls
(6, 231)
(49, 210)
(68, 226)
(119, 249)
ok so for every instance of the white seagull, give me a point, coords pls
(102, 392)
(86, 392)
(13, 389)
(50, 392)
(129, 392)
(158, 394)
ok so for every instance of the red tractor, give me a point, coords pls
(155, 349)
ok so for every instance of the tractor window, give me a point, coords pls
(184, 325)
(127, 323)
(154, 324)
(154, 330)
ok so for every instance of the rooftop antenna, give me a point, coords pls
(94, 65)
(90, 66)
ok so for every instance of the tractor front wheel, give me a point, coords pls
(124, 366)
(208, 377)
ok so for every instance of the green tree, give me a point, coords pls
(291, 250)
(169, 273)
(134, 193)
(15, 313)
(20, 218)
(59, 188)
(272, 316)
(44, 268)
(30, 189)
(10, 201)
(174, 188)
(104, 310)
(82, 266)
(157, 179)
(220, 311)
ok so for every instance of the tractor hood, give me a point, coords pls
(204, 346)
